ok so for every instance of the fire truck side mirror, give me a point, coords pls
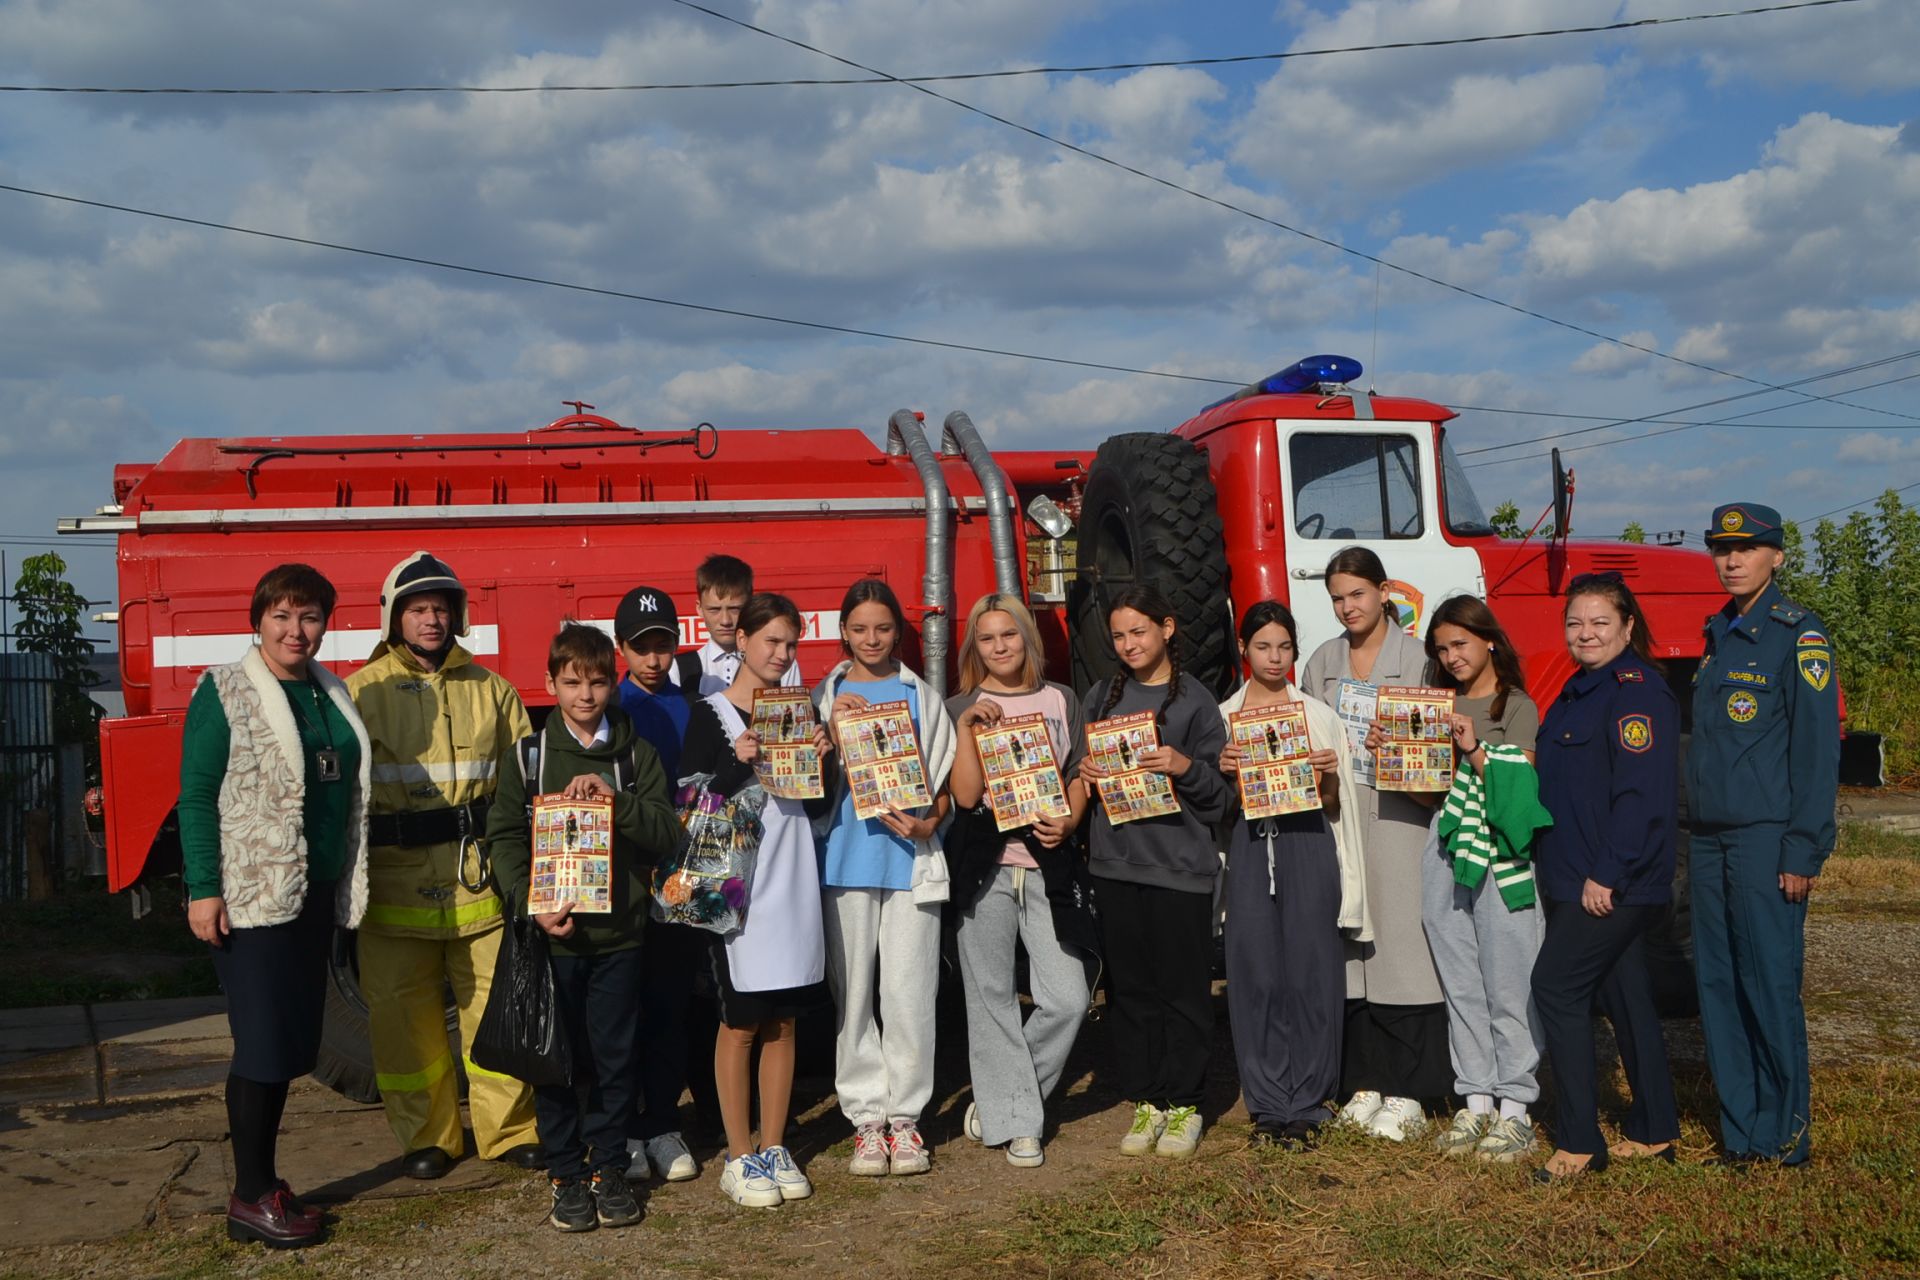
(1562, 497)
(1046, 513)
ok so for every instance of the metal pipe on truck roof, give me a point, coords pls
(960, 431)
(906, 437)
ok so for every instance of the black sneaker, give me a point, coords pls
(573, 1205)
(613, 1199)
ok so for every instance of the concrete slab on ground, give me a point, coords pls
(157, 1021)
(27, 1032)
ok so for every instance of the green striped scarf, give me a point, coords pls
(1488, 823)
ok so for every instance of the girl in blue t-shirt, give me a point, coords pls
(884, 879)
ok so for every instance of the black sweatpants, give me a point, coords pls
(1159, 954)
(583, 1126)
(1590, 961)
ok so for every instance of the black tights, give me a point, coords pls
(254, 1109)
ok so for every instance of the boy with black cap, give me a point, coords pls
(1762, 773)
(647, 629)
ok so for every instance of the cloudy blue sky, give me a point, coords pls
(1737, 193)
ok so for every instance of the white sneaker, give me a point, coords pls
(669, 1156)
(1182, 1133)
(1025, 1153)
(1360, 1108)
(746, 1181)
(1397, 1120)
(793, 1184)
(1510, 1138)
(907, 1153)
(972, 1123)
(870, 1157)
(638, 1170)
(1467, 1129)
(1149, 1122)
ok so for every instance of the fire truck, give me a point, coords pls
(1247, 500)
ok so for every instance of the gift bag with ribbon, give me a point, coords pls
(707, 883)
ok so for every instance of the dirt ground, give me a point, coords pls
(60, 1215)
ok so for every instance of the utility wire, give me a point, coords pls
(1243, 211)
(1863, 502)
(520, 278)
(1441, 43)
(1707, 404)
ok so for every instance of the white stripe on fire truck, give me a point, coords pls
(339, 646)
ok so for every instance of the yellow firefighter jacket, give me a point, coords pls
(438, 739)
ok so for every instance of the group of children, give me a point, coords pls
(1334, 989)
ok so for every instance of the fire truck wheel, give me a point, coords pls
(1149, 518)
(346, 1047)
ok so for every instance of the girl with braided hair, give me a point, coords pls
(1156, 879)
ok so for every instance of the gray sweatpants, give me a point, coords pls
(1016, 1065)
(1484, 955)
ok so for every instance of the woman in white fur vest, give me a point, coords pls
(273, 833)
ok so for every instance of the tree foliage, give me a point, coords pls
(1633, 532)
(1861, 576)
(49, 619)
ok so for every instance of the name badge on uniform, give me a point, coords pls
(327, 765)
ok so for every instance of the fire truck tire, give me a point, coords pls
(1149, 518)
(346, 1045)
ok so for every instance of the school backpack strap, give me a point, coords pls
(527, 750)
(687, 670)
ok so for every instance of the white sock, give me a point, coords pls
(1481, 1104)
(1511, 1110)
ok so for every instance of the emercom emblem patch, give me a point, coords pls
(1816, 668)
(1742, 706)
(1636, 733)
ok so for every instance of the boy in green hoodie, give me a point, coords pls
(588, 750)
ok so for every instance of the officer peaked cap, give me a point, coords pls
(1748, 523)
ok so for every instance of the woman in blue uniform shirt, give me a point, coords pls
(1608, 764)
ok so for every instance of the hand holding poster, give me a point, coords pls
(882, 757)
(1023, 778)
(1357, 704)
(1129, 792)
(572, 856)
(1275, 777)
(1418, 752)
(789, 765)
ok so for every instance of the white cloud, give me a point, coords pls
(1860, 47)
(1609, 357)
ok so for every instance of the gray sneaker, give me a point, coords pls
(1025, 1153)
(1464, 1134)
(670, 1158)
(1510, 1138)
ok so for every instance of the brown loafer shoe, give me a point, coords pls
(271, 1221)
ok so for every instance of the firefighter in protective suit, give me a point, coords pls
(439, 724)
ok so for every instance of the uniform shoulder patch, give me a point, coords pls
(1789, 613)
(1816, 667)
(1636, 733)
(1811, 638)
(1632, 675)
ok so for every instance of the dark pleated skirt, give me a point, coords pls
(275, 980)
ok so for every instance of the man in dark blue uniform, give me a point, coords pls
(1761, 776)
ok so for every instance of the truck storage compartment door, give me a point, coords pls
(140, 775)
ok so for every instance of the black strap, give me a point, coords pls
(687, 667)
(421, 827)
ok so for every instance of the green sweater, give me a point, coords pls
(645, 828)
(203, 767)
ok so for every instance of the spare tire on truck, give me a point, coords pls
(1148, 518)
(346, 1044)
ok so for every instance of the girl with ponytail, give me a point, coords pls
(1395, 1055)
(1156, 879)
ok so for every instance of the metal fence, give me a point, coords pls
(33, 822)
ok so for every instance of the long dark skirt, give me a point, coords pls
(275, 979)
(1398, 1049)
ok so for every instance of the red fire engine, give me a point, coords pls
(1244, 501)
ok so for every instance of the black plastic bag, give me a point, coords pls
(521, 1033)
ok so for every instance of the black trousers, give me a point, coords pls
(1159, 951)
(1599, 961)
(583, 1126)
(675, 953)
(1399, 1050)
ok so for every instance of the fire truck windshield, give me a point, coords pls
(1464, 514)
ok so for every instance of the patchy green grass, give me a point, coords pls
(1871, 840)
(1360, 1207)
(83, 946)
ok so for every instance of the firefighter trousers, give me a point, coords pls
(404, 980)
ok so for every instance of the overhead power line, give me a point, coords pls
(1227, 60)
(1863, 502)
(1245, 212)
(602, 291)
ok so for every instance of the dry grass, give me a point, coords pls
(1358, 1207)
